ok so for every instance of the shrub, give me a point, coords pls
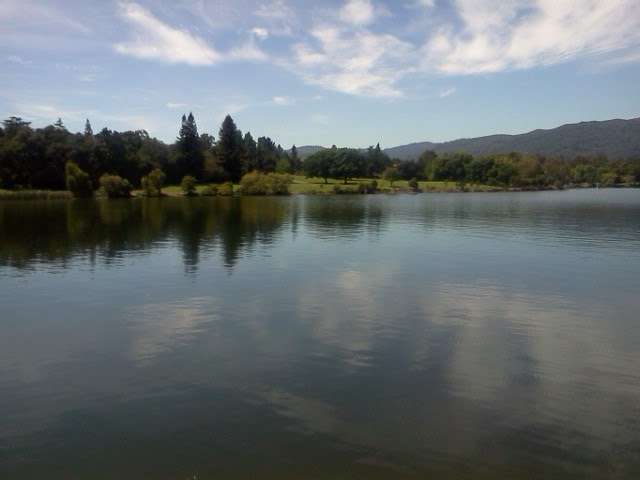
(152, 183)
(209, 191)
(226, 189)
(188, 185)
(413, 185)
(255, 183)
(368, 187)
(78, 181)
(114, 186)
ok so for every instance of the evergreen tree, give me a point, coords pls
(59, 125)
(230, 149)
(190, 159)
(251, 152)
(88, 131)
(296, 164)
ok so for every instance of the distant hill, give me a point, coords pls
(617, 139)
(306, 150)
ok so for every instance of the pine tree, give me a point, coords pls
(296, 164)
(251, 153)
(88, 131)
(59, 125)
(190, 159)
(230, 149)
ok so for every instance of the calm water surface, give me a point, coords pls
(465, 336)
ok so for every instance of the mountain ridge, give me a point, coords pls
(615, 138)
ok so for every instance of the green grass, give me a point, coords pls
(301, 185)
(34, 194)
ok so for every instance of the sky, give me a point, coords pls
(344, 72)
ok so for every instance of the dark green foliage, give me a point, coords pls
(152, 184)
(114, 186)
(190, 155)
(391, 174)
(319, 164)
(37, 158)
(209, 191)
(255, 183)
(226, 189)
(78, 181)
(413, 185)
(230, 149)
(188, 185)
(368, 187)
(296, 163)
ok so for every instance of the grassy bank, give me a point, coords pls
(35, 195)
(317, 186)
(301, 186)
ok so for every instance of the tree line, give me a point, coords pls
(52, 158)
(39, 158)
(504, 170)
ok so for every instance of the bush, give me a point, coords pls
(114, 186)
(413, 185)
(255, 183)
(226, 189)
(188, 185)
(209, 191)
(152, 183)
(368, 187)
(78, 181)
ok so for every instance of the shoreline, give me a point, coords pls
(348, 189)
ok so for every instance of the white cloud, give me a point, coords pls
(174, 105)
(357, 62)
(447, 92)
(283, 101)
(279, 16)
(357, 12)
(156, 40)
(260, 33)
(18, 60)
(501, 35)
(249, 51)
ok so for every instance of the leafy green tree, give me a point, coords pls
(114, 186)
(78, 182)
(376, 161)
(347, 163)
(152, 184)
(391, 174)
(188, 185)
(267, 155)
(229, 149)
(320, 164)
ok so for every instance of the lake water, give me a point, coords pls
(467, 336)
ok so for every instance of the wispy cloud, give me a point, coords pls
(278, 15)
(498, 35)
(447, 92)
(18, 60)
(357, 62)
(175, 105)
(357, 12)
(154, 39)
(283, 101)
(248, 51)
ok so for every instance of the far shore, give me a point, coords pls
(314, 186)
